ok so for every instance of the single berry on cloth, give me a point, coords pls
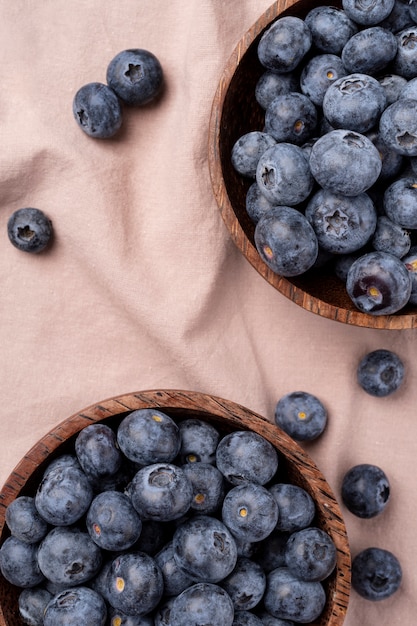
(136, 76)
(376, 574)
(29, 229)
(365, 490)
(97, 110)
(301, 415)
(380, 372)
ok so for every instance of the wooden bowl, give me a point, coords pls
(236, 112)
(227, 416)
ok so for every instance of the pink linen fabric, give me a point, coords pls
(143, 287)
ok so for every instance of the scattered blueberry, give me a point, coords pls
(301, 415)
(29, 230)
(380, 372)
(376, 574)
(365, 490)
(97, 110)
(136, 76)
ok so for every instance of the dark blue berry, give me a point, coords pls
(400, 202)
(296, 506)
(207, 484)
(301, 415)
(318, 74)
(292, 118)
(270, 85)
(369, 51)
(330, 28)
(199, 441)
(284, 44)
(311, 554)
(405, 61)
(29, 230)
(392, 84)
(246, 618)
(380, 372)
(134, 583)
(398, 126)
(136, 76)
(97, 110)
(205, 549)
(248, 149)
(250, 512)
(286, 241)
(112, 521)
(376, 574)
(19, 563)
(175, 579)
(256, 204)
(244, 456)
(368, 13)
(390, 237)
(410, 262)
(201, 604)
(245, 584)
(32, 603)
(377, 283)
(365, 490)
(77, 605)
(288, 597)
(24, 521)
(97, 451)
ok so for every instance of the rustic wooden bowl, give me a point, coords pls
(226, 416)
(235, 112)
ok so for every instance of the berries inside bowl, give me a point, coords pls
(189, 508)
(308, 150)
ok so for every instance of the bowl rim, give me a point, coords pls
(187, 403)
(291, 291)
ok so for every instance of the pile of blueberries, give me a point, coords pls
(334, 168)
(163, 522)
(134, 78)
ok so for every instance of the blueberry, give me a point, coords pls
(245, 584)
(284, 44)
(269, 620)
(148, 436)
(199, 441)
(136, 76)
(204, 549)
(399, 18)
(286, 241)
(377, 283)
(283, 174)
(246, 618)
(250, 512)
(162, 614)
(270, 553)
(354, 102)
(390, 237)
(288, 597)
(97, 451)
(153, 537)
(270, 85)
(244, 456)
(112, 522)
(77, 605)
(376, 574)
(247, 150)
(369, 51)
(202, 604)
(24, 521)
(296, 506)
(400, 202)
(405, 61)
(97, 110)
(69, 556)
(342, 224)
(32, 602)
(398, 126)
(391, 160)
(318, 74)
(161, 492)
(345, 162)
(207, 484)
(410, 262)
(330, 28)
(291, 118)
(380, 372)
(118, 618)
(175, 579)
(256, 204)
(311, 554)
(365, 490)
(301, 415)
(392, 84)
(64, 495)
(368, 13)
(19, 563)
(29, 230)
(135, 583)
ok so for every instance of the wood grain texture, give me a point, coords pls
(236, 112)
(295, 465)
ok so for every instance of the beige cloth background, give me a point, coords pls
(143, 287)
